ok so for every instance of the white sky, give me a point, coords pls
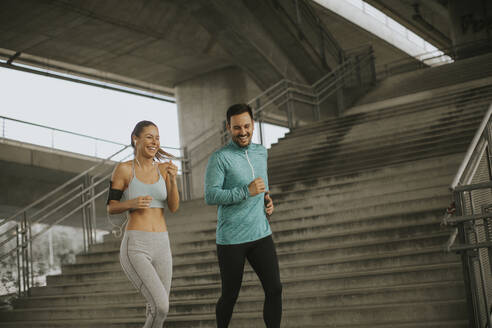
(78, 108)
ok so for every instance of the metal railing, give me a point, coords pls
(470, 215)
(75, 198)
(77, 202)
(291, 104)
(433, 58)
(46, 136)
(53, 137)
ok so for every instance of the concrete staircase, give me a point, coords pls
(441, 76)
(358, 205)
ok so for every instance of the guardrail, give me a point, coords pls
(55, 138)
(78, 200)
(434, 58)
(470, 215)
(290, 104)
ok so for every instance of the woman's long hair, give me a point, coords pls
(161, 154)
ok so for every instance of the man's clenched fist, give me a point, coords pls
(256, 187)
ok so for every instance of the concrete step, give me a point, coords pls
(207, 274)
(367, 160)
(446, 162)
(115, 304)
(396, 315)
(431, 78)
(363, 184)
(422, 109)
(192, 272)
(310, 248)
(316, 225)
(362, 191)
(397, 127)
(290, 218)
(310, 228)
(355, 155)
(412, 292)
(311, 282)
(340, 201)
(332, 231)
(362, 140)
(362, 236)
(376, 181)
(397, 107)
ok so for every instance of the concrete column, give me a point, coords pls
(471, 22)
(202, 106)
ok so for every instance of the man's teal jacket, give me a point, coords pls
(241, 218)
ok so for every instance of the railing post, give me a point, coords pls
(186, 169)
(3, 127)
(19, 257)
(465, 261)
(260, 127)
(488, 135)
(290, 110)
(30, 257)
(92, 211)
(84, 221)
(24, 262)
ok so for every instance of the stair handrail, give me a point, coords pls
(81, 190)
(479, 136)
(421, 60)
(286, 86)
(472, 203)
(60, 187)
(72, 191)
(57, 129)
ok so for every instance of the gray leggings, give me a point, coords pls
(146, 260)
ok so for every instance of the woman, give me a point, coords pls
(145, 253)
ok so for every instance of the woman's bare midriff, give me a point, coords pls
(149, 219)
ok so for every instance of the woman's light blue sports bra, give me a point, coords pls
(157, 190)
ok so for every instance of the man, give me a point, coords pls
(236, 180)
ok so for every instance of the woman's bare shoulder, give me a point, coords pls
(123, 169)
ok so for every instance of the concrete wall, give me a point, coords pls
(202, 106)
(471, 21)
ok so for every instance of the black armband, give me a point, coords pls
(114, 194)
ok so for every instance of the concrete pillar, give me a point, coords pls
(202, 106)
(471, 22)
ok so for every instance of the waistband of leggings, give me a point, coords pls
(146, 234)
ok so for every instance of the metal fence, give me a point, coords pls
(79, 202)
(434, 58)
(471, 217)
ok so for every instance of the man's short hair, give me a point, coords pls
(238, 109)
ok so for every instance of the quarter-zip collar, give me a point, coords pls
(244, 150)
(235, 146)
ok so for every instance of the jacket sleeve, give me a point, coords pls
(214, 180)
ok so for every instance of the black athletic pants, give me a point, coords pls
(262, 257)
